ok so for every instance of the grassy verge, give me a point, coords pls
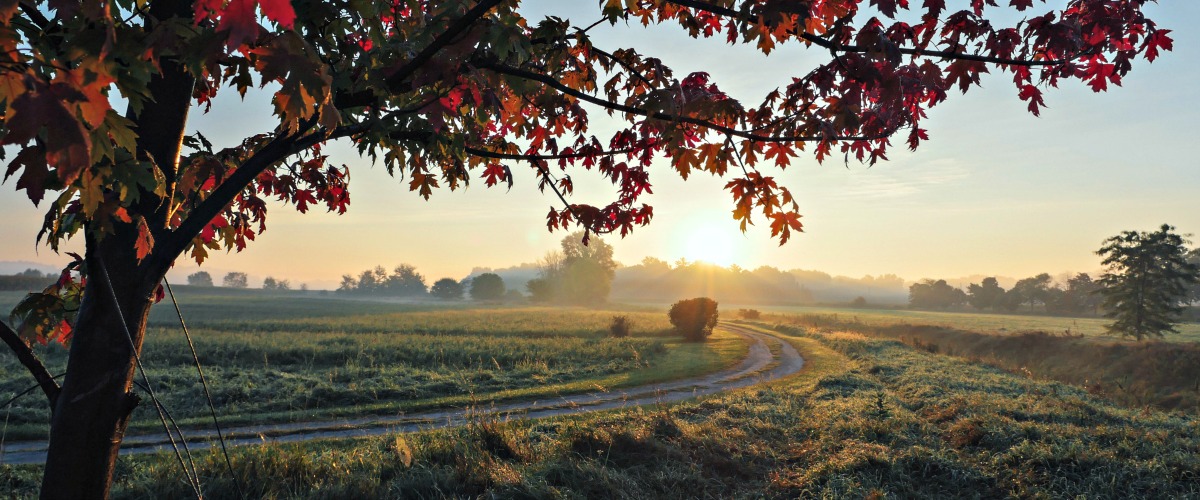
(1164, 375)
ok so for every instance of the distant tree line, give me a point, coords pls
(404, 281)
(1150, 279)
(24, 281)
(1076, 296)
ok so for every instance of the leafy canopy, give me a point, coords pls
(445, 92)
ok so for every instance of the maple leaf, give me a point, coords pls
(238, 19)
(1154, 42)
(67, 143)
(782, 225)
(279, 11)
(144, 242)
(1034, 96)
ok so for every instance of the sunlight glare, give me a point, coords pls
(709, 244)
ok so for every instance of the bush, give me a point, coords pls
(749, 314)
(694, 318)
(620, 327)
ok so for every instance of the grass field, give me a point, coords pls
(281, 358)
(867, 418)
(978, 322)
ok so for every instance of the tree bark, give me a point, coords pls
(93, 409)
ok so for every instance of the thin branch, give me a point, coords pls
(456, 28)
(35, 16)
(26, 356)
(282, 146)
(484, 153)
(838, 47)
(559, 86)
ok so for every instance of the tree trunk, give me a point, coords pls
(89, 421)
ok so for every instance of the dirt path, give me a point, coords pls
(760, 365)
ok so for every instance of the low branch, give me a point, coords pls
(838, 47)
(26, 356)
(282, 146)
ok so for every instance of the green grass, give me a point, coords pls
(318, 358)
(980, 322)
(1165, 375)
(866, 418)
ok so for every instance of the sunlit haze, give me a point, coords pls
(995, 191)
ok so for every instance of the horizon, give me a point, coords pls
(967, 203)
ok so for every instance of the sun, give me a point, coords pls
(709, 244)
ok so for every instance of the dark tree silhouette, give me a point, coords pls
(200, 278)
(447, 289)
(1146, 281)
(487, 286)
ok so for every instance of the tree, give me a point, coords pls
(930, 294)
(405, 281)
(986, 294)
(487, 286)
(447, 289)
(1079, 296)
(269, 283)
(694, 318)
(581, 274)
(1145, 282)
(1194, 259)
(200, 278)
(438, 90)
(235, 280)
(1032, 291)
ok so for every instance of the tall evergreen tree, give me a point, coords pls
(1146, 281)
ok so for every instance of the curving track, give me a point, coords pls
(760, 365)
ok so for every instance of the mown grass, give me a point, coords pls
(1165, 375)
(330, 358)
(867, 418)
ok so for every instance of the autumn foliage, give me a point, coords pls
(448, 92)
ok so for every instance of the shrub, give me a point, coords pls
(694, 318)
(620, 327)
(859, 302)
(749, 314)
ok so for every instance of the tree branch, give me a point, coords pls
(559, 86)
(26, 356)
(456, 28)
(837, 47)
(35, 16)
(282, 146)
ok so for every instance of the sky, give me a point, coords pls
(996, 191)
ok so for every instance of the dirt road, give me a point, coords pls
(769, 358)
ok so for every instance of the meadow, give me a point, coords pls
(1092, 328)
(284, 358)
(867, 418)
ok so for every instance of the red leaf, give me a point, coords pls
(1158, 40)
(145, 241)
(1021, 4)
(279, 11)
(1034, 96)
(240, 21)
